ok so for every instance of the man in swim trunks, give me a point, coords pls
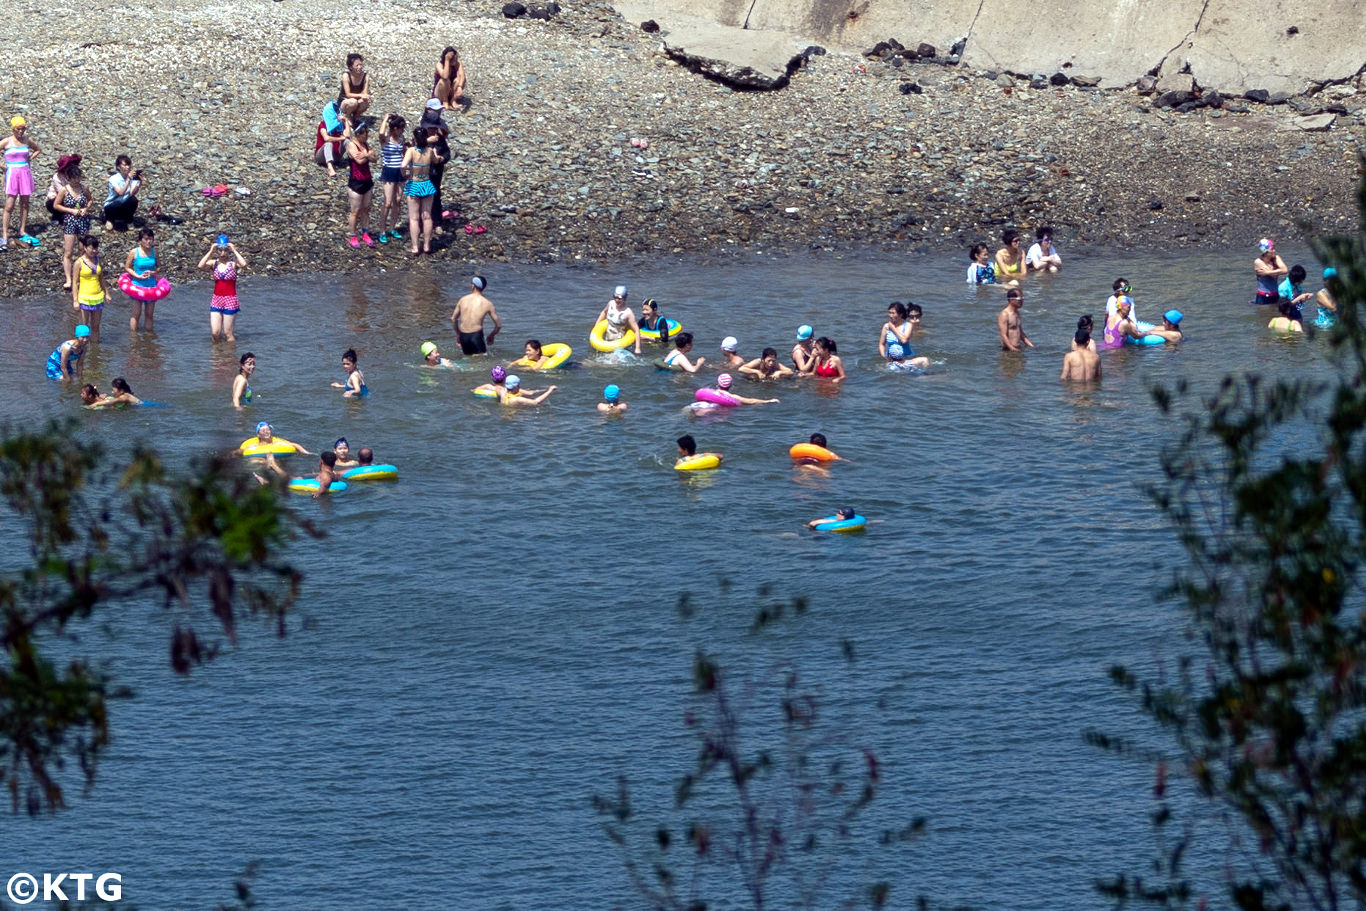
(1081, 363)
(1008, 323)
(468, 318)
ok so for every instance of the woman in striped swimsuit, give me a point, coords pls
(18, 150)
(417, 167)
(391, 152)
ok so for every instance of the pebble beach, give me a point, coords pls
(853, 152)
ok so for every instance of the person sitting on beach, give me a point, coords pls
(730, 360)
(342, 449)
(467, 319)
(1328, 307)
(122, 202)
(1010, 261)
(431, 356)
(354, 98)
(1082, 362)
(766, 366)
(724, 383)
(1043, 256)
(516, 395)
(611, 400)
(1010, 326)
(67, 360)
(804, 352)
(1291, 288)
(1286, 322)
(980, 270)
(448, 85)
(327, 147)
(355, 380)
(687, 448)
(652, 321)
(56, 187)
(677, 359)
(1268, 267)
(619, 318)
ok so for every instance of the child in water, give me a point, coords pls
(355, 381)
(980, 270)
(611, 401)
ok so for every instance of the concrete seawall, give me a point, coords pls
(1291, 46)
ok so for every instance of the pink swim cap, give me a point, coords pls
(724, 380)
(498, 374)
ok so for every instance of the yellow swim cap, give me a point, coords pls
(17, 121)
(427, 348)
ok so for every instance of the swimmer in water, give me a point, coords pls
(67, 360)
(897, 359)
(687, 448)
(804, 352)
(90, 395)
(653, 321)
(1082, 363)
(241, 384)
(1171, 327)
(355, 380)
(818, 439)
(1291, 288)
(730, 360)
(122, 395)
(1010, 261)
(342, 449)
(1043, 256)
(1328, 307)
(515, 395)
(266, 434)
(1286, 322)
(980, 270)
(532, 359)
(431, 356)
(766, 366)
(1009, 325)
(723, 384)
(1121, 326)
(619, 318)
(843, 514)
(327, 472)
(827, 363)
(611, 400)
(365, 457)
(1086, 324)
(677, 359)
(497, 384)
(1268, 267)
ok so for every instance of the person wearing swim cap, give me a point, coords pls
(1268, 267)
(1121, 288)
(1121, 327)
(1170, 331)
(467, 319)
(67, 360)
(611, 400)
(730, 360)
(766, 366)
(516, 395)
(843, 514)
(431, 356)
(1082, 363)
(725, 381)
(497, 384)
(804, 352)
(619, 318)
(343, 452)
(1328, 307)
(265, 434)
(327, 473)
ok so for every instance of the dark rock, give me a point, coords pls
(1038, 81)
(1234, 107)
(1086, 82)
(910, 54)
(552, 8)
(895, 45)
(926, 50)
(1305, 106)
(958, 47)
(1335, 109)
(1278, 98)
(732, 75)
(1155, 205)
(649, 25)
(1058, 79)
(539, 12)
(1213, 99)
(910, 88)
(877, 50)
(1258, 95)
(514, 10)
(813, 50)
(1188, 106)
(897, 61)
(1173, 99)
(1146, 85)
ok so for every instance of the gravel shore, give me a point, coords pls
(202, 93)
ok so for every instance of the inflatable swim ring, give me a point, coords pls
(835, 523)
(1325, 320)
(310, 485)
(811, 451)
(557, 352)
(596, 339)
(716, 397)
(699, 462)
(371, 473)
(665, 365)
(254, 448)
(653, 334)
(485, 393)
(139, 292)
(1147, 339)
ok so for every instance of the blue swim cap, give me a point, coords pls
(894, 350)
(82, 331)
(262, 426)
(1330, 272)
(222, 240)
(611, 393)
(1173, 317)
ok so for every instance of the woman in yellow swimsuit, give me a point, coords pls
(91, 288)
(1010, 260)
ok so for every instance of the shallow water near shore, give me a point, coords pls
(490, 641)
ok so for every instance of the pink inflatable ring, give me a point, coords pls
(139, 292)
(716, 397)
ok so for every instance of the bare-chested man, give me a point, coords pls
(1013, 336)
(468, 318)
(1082, 362)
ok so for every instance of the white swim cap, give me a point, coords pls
(729, 343)
(479, 282)
(620, 292)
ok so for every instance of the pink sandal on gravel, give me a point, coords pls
(469, 229)
(480, 229)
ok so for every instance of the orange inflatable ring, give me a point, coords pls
(811, 451)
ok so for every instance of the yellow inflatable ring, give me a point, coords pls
(556, 351)
(595, 338)
(699, 462)
(277, 446)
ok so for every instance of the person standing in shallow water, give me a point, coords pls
(1009, 325)
(1082, 363)
(467, 319)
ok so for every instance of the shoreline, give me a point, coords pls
(839, 159)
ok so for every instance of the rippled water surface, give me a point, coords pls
(487, 643)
